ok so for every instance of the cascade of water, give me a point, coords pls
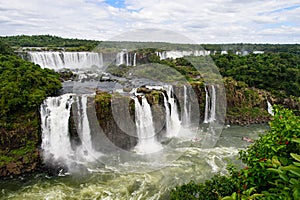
(210, 105)
(145, 129)
(270, 108)
(213, 104)
(168, 115)
(179, 54)
(71, 60)
(55, 113)
(186, 108)
(175, 124)
(120, 58)
(162, 55)
(127, 59)
(85, 151)
(207, 106)
(134, 59)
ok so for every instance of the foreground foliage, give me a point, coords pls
(23, 88)
(210, 190)
(272, 168)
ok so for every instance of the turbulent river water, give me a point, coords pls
(135, 179)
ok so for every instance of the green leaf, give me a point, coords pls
(296, 194)
(296, 156)
(228, 198)
(297, 140)
(296, 172)
(275, 170)
(297, 163)
(284, 177)
(294, 181)
(275, 161)
(257, 195)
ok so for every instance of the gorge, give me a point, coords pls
(148, 135)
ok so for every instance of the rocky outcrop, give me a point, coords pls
(116, 119)
(21, 165)
(245, 105)
(19, 141)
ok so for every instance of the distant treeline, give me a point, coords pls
(47, 41)
(266, 48)
(278, 73)
(275, 72)
(80, 44)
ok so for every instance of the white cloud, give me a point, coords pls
(212, 21)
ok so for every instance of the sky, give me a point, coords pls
(202, 21)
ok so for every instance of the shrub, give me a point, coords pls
(212, 189)
(273, 152)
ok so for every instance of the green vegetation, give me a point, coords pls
(267, 48)
(272, 166)
(209, 190)
(53, 42)
(5, 49)
(24, 86)
(245, 103)
(277, 73)
(120, 71)
(49, 41)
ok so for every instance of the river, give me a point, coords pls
(123, 178)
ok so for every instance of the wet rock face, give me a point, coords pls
(115, 116)
(19, 141)
(22, 165)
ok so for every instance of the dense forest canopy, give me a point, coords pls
(23, 85)
(55, 41)
(278, 73)
(47, 41)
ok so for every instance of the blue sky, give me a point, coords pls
(214, 21)
(286, 8)
(117, 4)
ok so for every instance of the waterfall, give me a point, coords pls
(71, 60)
(55, 113)
(145, 128)
(270, 108)
(207, 106)
(179, 54)
(168, 114)
(213, 104)
(210, 105)
(120, 58)
(186, 108)
(134, 59)
(127, 59)
(162, 55)
(86, 150)
(174, 125)
(56, 144)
